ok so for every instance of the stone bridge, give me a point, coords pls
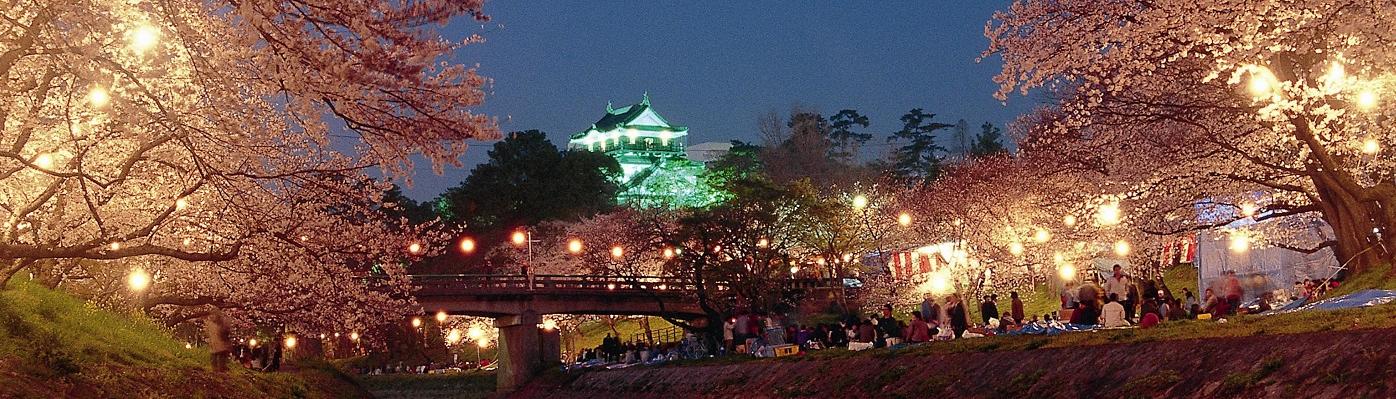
(517, 303)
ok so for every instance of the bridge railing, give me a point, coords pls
(515, 283)
(441, 284)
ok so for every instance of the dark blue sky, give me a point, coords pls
(717, 67)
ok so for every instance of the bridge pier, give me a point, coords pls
(519, 350)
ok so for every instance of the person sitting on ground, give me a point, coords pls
(1176, 311)
(1149, 320)
(1113, 313)
(918, 331)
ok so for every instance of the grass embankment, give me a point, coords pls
(591, 333)
(473, 384)
(54, 345)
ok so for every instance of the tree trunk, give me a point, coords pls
(1352, 222)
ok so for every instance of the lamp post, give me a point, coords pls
(523, 238)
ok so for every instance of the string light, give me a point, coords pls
(98, 96)
(138, 280)
(1370, 146)
(1109, 214)
(1121, 248)
(860, 201)
(144, 38)
(44, 161)
(1261, 83)
(617, 252)
(1067, 272)
(1366, 99)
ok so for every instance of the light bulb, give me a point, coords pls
(144, 38)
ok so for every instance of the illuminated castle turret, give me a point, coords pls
(650, 150)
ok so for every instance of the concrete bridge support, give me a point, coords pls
(524, 349)
(519, 350)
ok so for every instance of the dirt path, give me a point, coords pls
(1348, 364)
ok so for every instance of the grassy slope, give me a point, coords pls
(593, 331)
(54, 345)
(474, 384)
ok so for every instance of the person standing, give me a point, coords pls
(988, 310)
(728, 338)
(1017, 308)
(1234, 292)
(1118, 285)
(955, 311)
(928, 307)
(219, 339)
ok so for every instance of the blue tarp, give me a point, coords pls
(1034, 329)
(1358, 299)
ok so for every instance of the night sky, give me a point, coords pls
(717, 68)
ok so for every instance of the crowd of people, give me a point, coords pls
(1113, 301)
(613, 350)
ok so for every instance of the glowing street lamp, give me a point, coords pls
(181, 203)
(668, 253)
(1069, 220)
(762, 243)
(1042, 235)
(414, 248)
(440, 316)
(475, 333)
(1262, 83)
(416, 322)
(467, 245)
(290, 342)
(44, 161)
(574, 246)
(904, 219)
(519, 238)
(549, 324)
(453, 337)
(617, 252)
(1248, 209)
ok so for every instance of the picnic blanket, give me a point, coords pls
(1357, 299)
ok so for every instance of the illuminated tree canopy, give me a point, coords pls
(225, 147)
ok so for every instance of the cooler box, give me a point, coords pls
(787, 350)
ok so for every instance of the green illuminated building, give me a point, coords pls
(656, 170)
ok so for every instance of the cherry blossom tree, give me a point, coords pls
(1263, 109)
(226, 148)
